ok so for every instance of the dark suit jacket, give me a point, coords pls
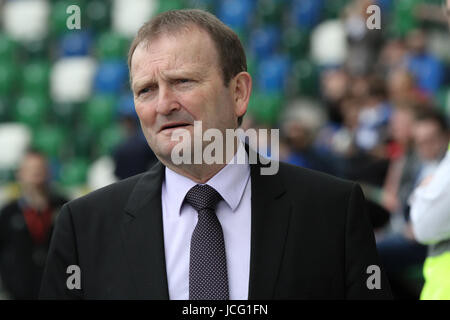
(310, 239)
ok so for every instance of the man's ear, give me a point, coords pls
(241, 88)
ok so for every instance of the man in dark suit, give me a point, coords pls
(216, 230)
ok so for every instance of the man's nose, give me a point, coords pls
(167, 102)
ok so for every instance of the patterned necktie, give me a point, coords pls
(208, 279)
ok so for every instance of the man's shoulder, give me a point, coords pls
(317, 196)
(293, 176)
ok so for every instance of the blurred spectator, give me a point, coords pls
(425, 67)
(404, 163)
(368, 160)
(430, 205)
(359, 87)
(25, 228)
(339, 138)
(431, 224)
(301, 124)
(402, 88)
(373, 117)
(424, 141)
(397, 250)
(432, 12)
(430, 139)
(364, 43)
(133, 155)
(391, 57)
(334, 83)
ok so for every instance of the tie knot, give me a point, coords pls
(203, 197)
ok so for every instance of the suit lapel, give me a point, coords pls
(142, 230)
(271, 212)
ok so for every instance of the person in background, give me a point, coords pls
(25, 228)
(302, 121)
(402, 158)
(423, 65)
(430, 140)
(132, 156)
(373, 117)
(395, 243)
(400, 249)
(403, 89)
(430, 216)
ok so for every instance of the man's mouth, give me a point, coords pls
(174, 125)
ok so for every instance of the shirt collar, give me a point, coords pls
(230, 181)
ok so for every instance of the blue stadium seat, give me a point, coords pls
(272, 73)
(111, 76)
(76, 43)
(236, 13)
(125, 106)
(264, 41)
(306, 13)
(385, 5)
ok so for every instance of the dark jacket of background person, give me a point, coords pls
(23, 250)
(132, 156)
(310, 239)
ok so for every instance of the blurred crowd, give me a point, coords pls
(378, 120)
(370, 105)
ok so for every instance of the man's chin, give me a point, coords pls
(167, 151)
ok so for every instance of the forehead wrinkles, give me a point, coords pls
(153, 61)
(175, 51)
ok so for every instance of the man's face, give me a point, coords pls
(176, 80)
(33, 171)
(401, 124)
(430, 141)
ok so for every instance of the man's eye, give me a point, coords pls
(182, 80)
(145, 90)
